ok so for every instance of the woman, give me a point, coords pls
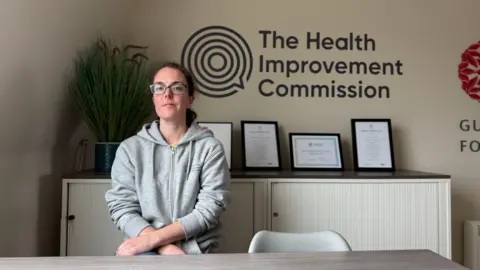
(170, 182)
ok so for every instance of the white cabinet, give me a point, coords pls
(246, 214)
(87, 229)
(372, 211)
(370, 214)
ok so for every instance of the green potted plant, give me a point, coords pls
(110, 88)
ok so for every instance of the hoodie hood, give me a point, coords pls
(151, 132)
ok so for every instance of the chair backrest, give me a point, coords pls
(284, 242)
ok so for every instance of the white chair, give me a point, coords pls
(283, 242)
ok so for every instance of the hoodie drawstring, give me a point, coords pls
(189, 158)
(153, 161)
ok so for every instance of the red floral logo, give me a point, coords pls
(469, 71)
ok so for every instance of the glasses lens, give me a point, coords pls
(178, 88)
(157, 88)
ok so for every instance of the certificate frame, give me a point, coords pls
(295, 163)
(359, 163)
(226, 136)
(275, 158)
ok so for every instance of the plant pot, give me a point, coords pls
(104, 156)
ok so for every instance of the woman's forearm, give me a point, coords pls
(146, 231)
(168, 234)
(161, 240)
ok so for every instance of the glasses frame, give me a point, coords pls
(152, 86)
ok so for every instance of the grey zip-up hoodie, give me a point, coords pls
(154, 184)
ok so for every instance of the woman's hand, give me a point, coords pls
(170, 249)
(137, 245)
(151, 239)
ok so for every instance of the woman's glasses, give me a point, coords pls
(160, 88)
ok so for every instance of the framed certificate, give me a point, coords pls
(261, 146)
(223, 131)
(372, 145)
(316, 151)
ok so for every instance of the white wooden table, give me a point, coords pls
(358, 260)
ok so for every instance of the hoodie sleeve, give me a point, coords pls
(214, 195)
(122, 200)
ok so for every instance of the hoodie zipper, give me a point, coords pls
(172, 179)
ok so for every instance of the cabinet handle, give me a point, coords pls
(71, 217)
(275, 214)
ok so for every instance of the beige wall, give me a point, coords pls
(39, 130)
(38, 40)
(426, 103)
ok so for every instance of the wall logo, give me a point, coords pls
(469, 74)
(469, 71)
(222, 63)
(220, 59)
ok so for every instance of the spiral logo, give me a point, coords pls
(220, 59)
(469, 71)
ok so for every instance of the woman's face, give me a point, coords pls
(170, 95)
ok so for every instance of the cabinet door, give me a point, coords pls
(238, 220)
(90, 231)
(371, 216)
